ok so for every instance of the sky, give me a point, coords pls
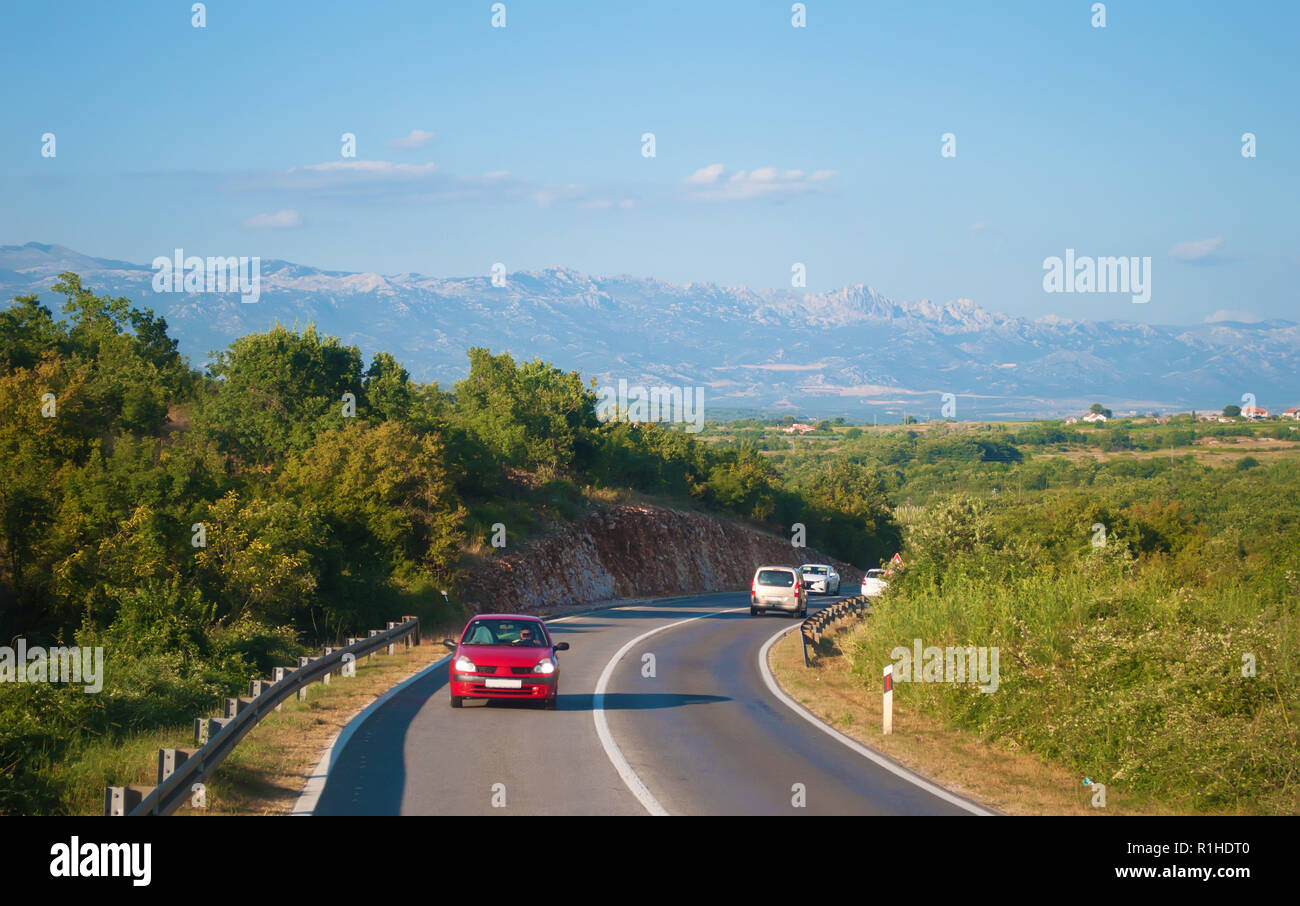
(774, 145)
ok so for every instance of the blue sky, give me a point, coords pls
(1123, 140)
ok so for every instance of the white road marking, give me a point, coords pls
(630, 778)
(311, 792)
(853, 744)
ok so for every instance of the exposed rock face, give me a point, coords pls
(631, 551)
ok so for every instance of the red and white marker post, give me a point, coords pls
(887, 713)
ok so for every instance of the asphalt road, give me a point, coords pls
(702, 735)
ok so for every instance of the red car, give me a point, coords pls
(504, 655)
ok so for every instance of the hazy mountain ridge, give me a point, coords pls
(849, 349)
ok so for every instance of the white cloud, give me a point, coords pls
(981, 225)
(546, 196)
(708, 183)
(372, 167)
(417, 138)
(282, 220)
(706, 175)
(1224, 314)
(1197, 249)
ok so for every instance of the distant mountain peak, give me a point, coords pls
(836, 351)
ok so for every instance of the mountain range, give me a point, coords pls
(849, 351)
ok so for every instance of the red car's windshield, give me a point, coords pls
(516, 633)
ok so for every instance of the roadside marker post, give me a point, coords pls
(803, 635)
(887, 712)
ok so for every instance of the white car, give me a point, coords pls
(823, 578)
(873, 583)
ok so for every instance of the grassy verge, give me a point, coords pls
(1005, 778)
(268, 769)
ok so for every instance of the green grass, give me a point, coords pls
(1124, 664)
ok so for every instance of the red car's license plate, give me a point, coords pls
(503, 683)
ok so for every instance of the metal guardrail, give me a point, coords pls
(814, 627)
(179, 770)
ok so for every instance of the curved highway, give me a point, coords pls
(693, 730)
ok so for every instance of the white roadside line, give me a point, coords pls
(615, 754)
(853, 744)
(311, 792)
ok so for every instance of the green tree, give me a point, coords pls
(388, 388)
(533, 416)
(28, 333)
(274, 392)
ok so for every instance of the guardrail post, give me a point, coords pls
(370, 635)
(326, 678)
(277, 675)
(416, 630)
(302, 690)
(170, 759)
(392, 646)
(120, 800)
(200, 730)
(258, 686)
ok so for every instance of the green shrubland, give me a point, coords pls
(1162, 656)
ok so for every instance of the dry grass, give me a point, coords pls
(1006, 780)
(1209, 451)
(269, 768)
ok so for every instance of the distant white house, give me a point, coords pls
(1292, 414)
(1253, 412)
(799, 428)
(1072, 420)
(1094, 417)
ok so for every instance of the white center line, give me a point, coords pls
(630, 778)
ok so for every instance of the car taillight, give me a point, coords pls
(753, 587)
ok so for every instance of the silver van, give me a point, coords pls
(778, 588)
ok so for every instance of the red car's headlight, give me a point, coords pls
(545, 665)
